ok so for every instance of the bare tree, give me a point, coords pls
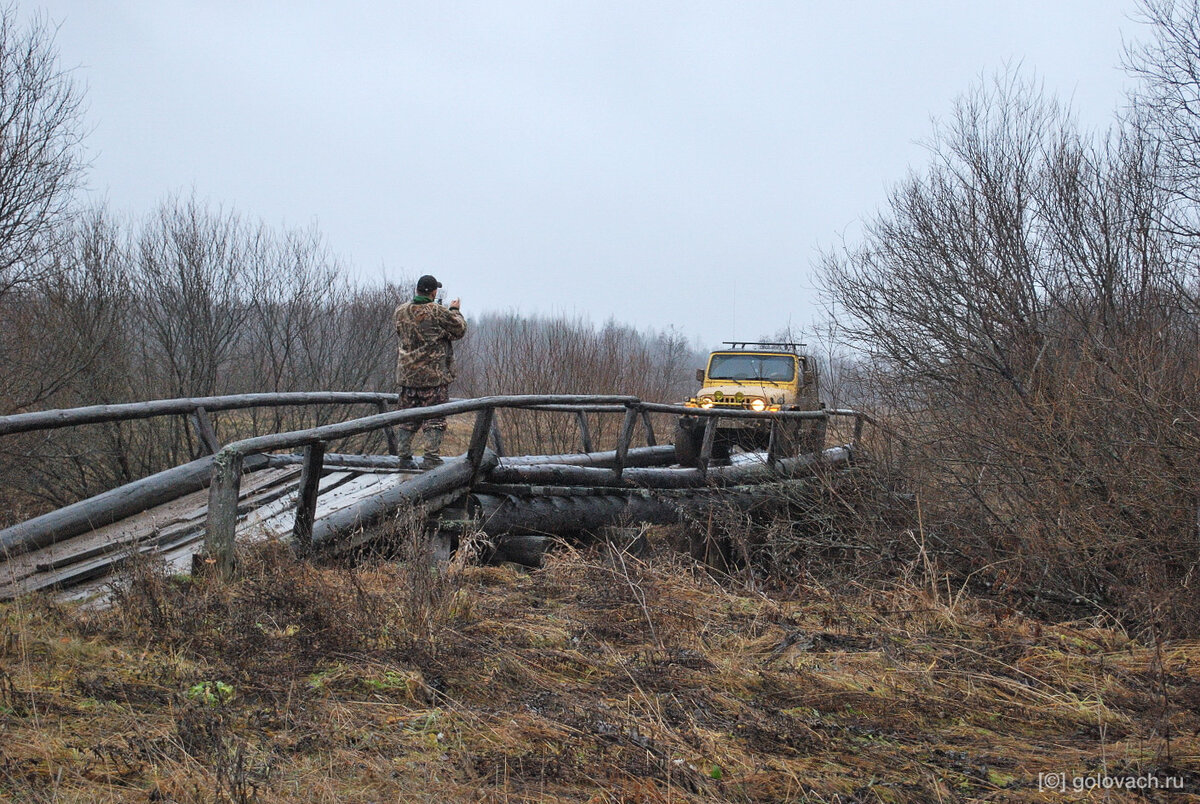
(1030, 318)
(40, 158)
(191, 288)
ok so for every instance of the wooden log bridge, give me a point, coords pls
(287, 486)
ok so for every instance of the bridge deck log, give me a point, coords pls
(663, 478)
(112, 506)
(429, 487)
(524, 527)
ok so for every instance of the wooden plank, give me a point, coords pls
(274, 520)
(388, 432)
(454, 474)
(648, 425)
(706, 446)
(585, 435)
(147, 525)
(623, 439)
(111, 506)
(743, 471)
(279, 524)
(85, 557)
(479, 437)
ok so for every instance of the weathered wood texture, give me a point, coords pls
(523, 526)
(367, 424)
(96, 414)
(223, 494)
(162, 530)
(454, 475)
(111, 506)
(547, 474)
(224, 486)
(636, 456)
(306, 504)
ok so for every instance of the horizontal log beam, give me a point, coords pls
(99, 414)
(636, 456)
(736, 413)
(367, 424)
(441, 482)
(522, 528)
(111, 506)
(663, 478)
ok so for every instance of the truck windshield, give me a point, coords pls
(776, 368)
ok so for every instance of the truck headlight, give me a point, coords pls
(758, 404)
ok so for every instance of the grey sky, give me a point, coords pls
(658, 163)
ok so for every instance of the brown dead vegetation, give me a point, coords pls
(602, 677)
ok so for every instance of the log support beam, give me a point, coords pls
(649, 427)
(585, 435)
(205, 431)
(223, 495)
(306, 502)
(388, 432)
(626, 435)
(706, 446)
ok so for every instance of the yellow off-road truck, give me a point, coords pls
(749, 375)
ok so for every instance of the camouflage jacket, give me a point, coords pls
(426, 355)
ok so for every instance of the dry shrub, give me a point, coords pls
(852, 524)
(285, 616)
(1032, 332)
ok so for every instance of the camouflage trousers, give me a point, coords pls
(422, 398)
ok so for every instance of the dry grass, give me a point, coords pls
(600, 678)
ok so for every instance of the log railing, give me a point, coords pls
(199, 407)
(226, 464)
(229, 462)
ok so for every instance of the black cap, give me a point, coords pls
(427, 284)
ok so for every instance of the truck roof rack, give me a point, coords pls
(789, 346)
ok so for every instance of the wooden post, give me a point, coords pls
(650, 441)
(497, 441)
(585, 435)
(205, 431)
(479, 437)
(388, 432)
(631, 417)
(858, 428)
(773, 444)
(222, 509)
(306, 501)
(706, 446)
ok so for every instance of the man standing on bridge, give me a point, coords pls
(425, 365)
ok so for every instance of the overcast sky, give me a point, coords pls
(662, 164)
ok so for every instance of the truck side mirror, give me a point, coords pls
(699, 375)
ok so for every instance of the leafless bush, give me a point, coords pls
(1032, 325)
(510, 354)
(40, 159)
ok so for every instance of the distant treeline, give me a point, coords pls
(199, 302)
